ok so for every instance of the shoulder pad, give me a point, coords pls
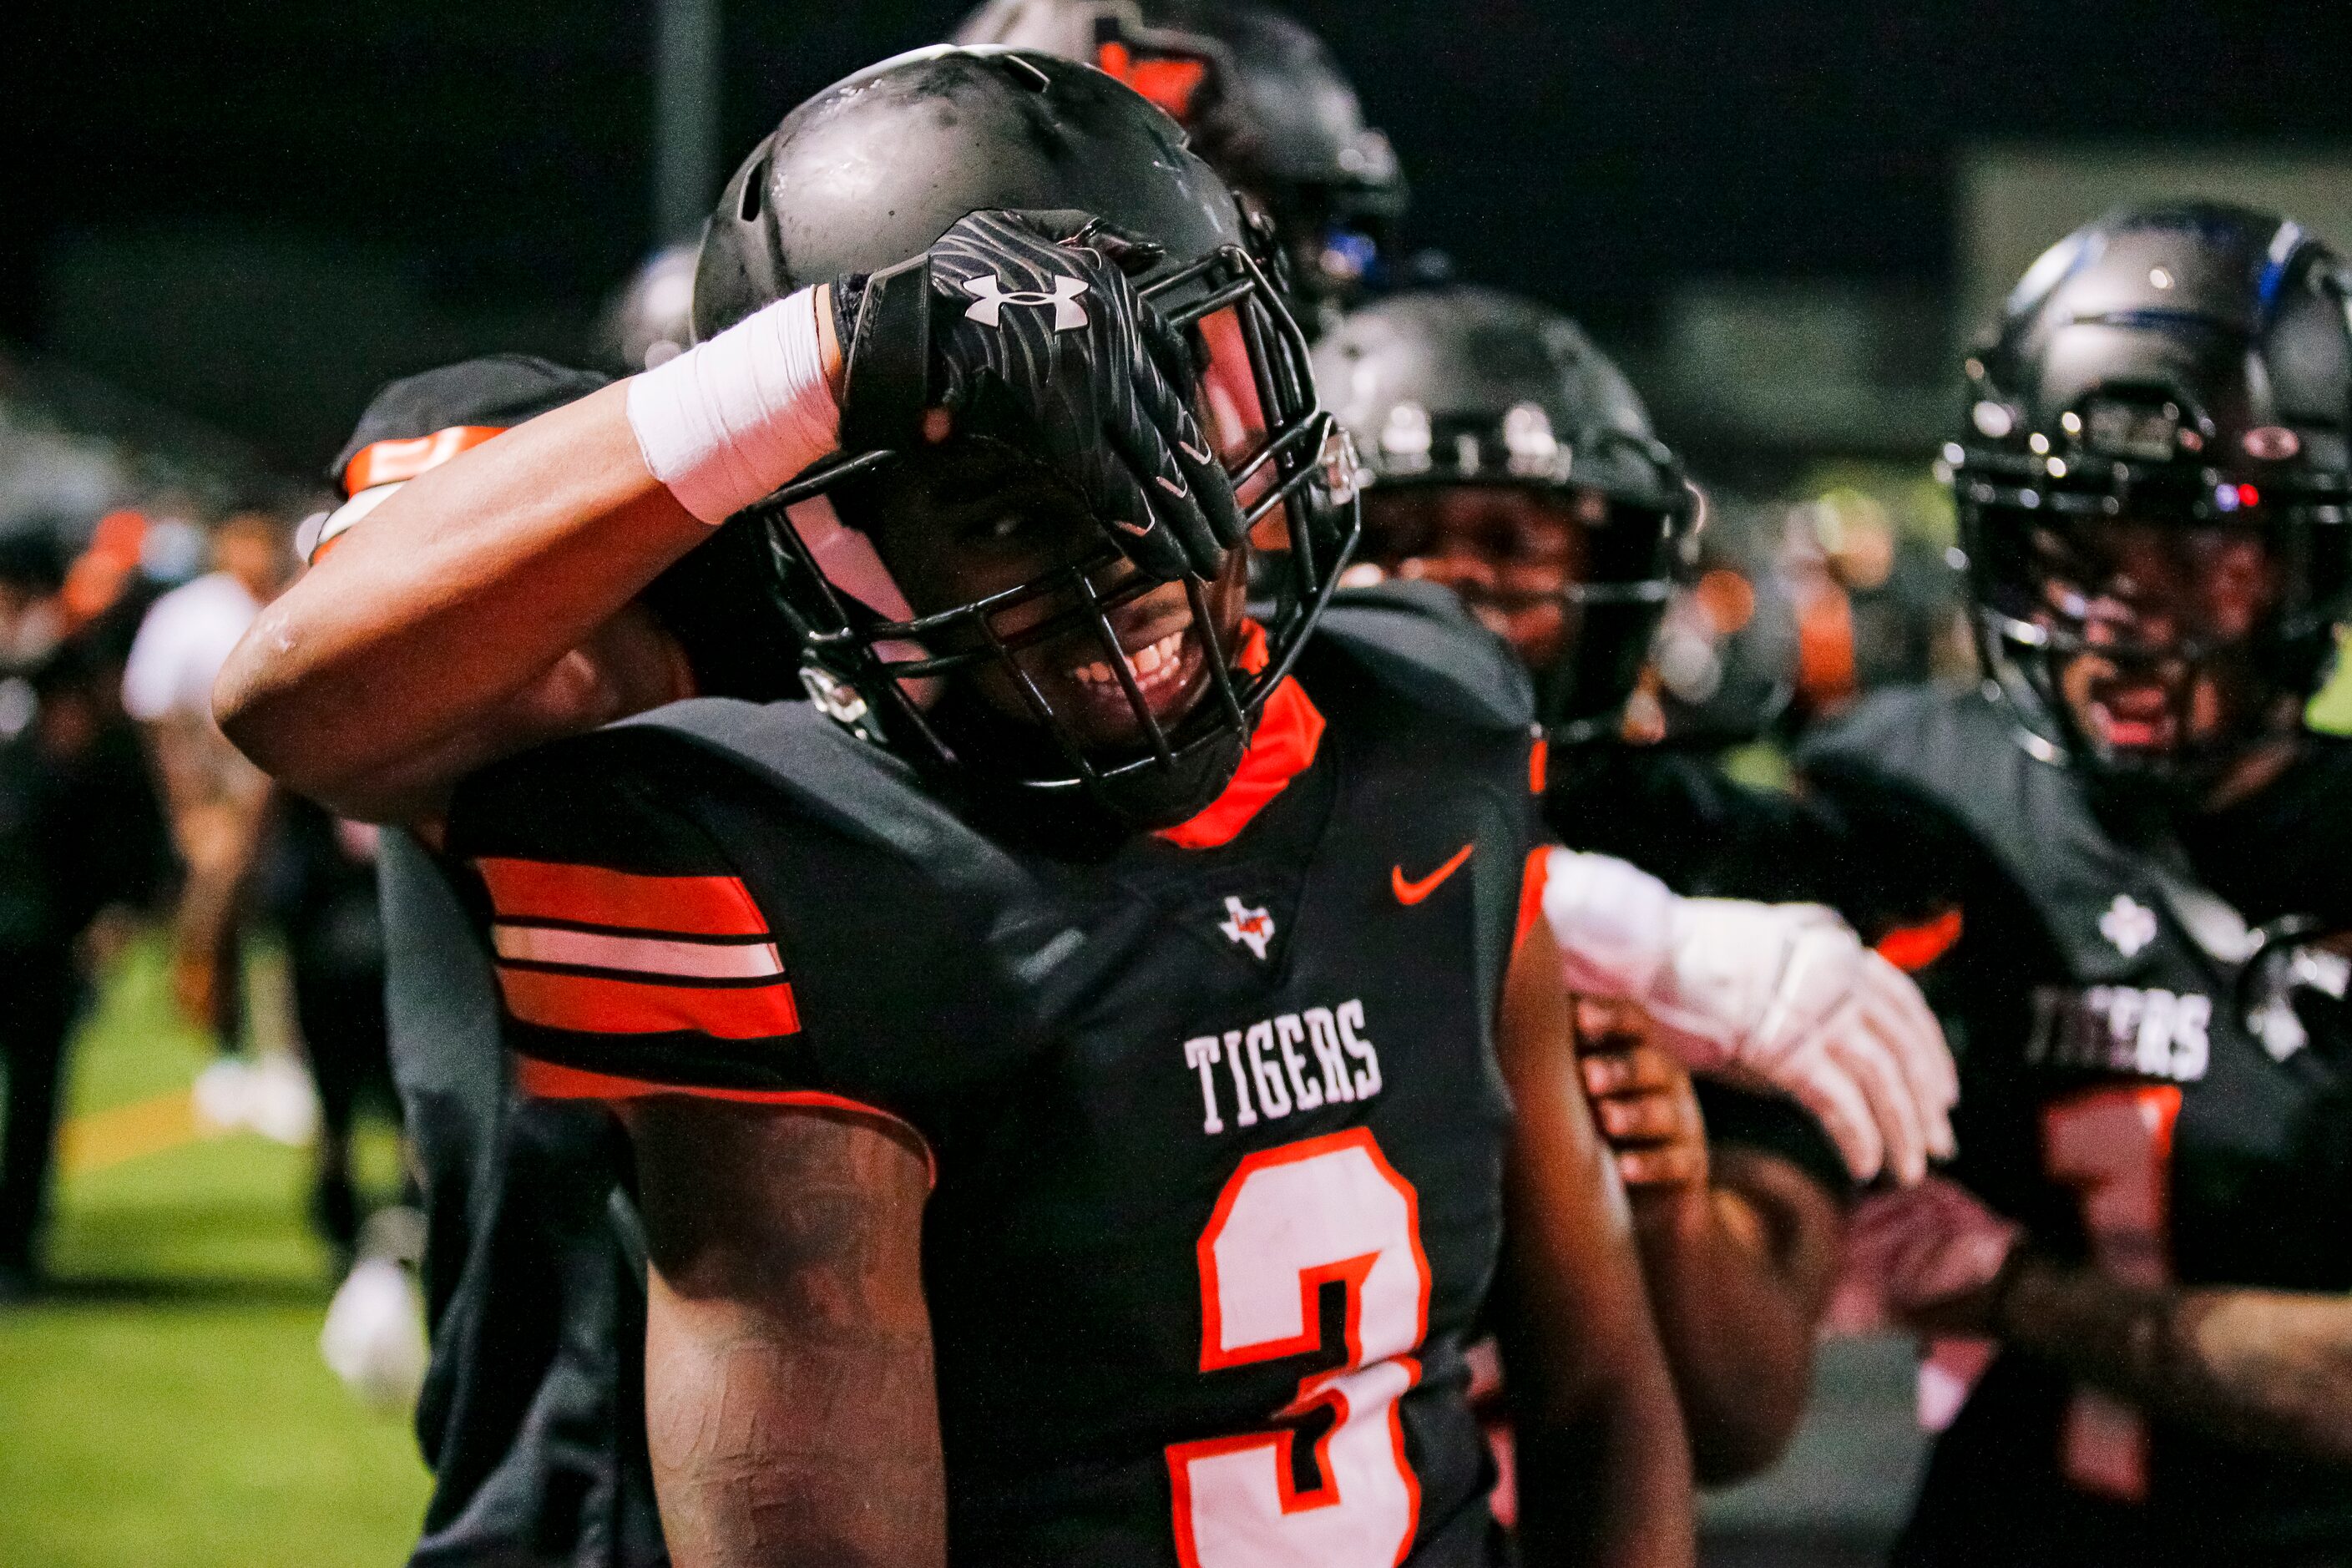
(1417, 640)
(1923, 732)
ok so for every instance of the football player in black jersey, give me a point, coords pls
(531, 1415)
(531, 1418)
(2123, 863)
(1263, 102)
(1073, 892)
(1508, 459)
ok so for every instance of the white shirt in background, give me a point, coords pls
(181, 643)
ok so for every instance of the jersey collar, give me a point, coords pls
(1289, 729)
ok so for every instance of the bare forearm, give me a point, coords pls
(1604, 1467)
(817, 1450)
(1736, 1320)
(791, 1417)
(2268, 1369)
(453, 596)
(1612, 1485)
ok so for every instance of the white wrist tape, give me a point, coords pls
(1614, 922)
(728, 421)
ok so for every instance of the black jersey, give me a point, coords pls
(1216, 1123)
(2135, 1089)
(531, 1418)
(532, 1414)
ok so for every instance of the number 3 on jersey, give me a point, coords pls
(1291, 1220)
(2113, 1146)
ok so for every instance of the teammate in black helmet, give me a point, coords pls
(2121, 865)
(1508, 459)
(1262, 100)
(1175, 948)
(532, 1414)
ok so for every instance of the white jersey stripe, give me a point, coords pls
(638, 955)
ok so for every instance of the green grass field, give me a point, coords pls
(166, 1403)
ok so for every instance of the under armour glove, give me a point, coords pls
(1778, 996)
(1023, 327)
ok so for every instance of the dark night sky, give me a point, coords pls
(1589, 152)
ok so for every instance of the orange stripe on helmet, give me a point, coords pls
(1170, 82)
(388, 462)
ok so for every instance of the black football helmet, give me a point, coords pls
(1262, 99)
(1468, 386)
(651, 320)
(868, 174)
(2151, 478)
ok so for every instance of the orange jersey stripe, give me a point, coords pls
(546, 1080)
(688, 906)
(601, 1004)
(1913, 948)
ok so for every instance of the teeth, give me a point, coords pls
(1143, 663)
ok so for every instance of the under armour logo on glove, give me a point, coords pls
(988, 307)
(1099, 389)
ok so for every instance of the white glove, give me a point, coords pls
(1781, 995)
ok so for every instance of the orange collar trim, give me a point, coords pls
(1289, 729)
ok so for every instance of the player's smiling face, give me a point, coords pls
(2162, 617)
(1511, 552)
(971, 524)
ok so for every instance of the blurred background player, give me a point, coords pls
(255, 858)
(2121, 865)
(532, 1414)
(1509, 461)
(218, 807)
(1263, 102)
(81, 834)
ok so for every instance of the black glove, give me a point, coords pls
(1023, 327)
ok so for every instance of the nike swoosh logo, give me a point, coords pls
(1411, 893)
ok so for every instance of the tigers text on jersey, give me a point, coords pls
(2154, 1053)
(1217, 1132)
